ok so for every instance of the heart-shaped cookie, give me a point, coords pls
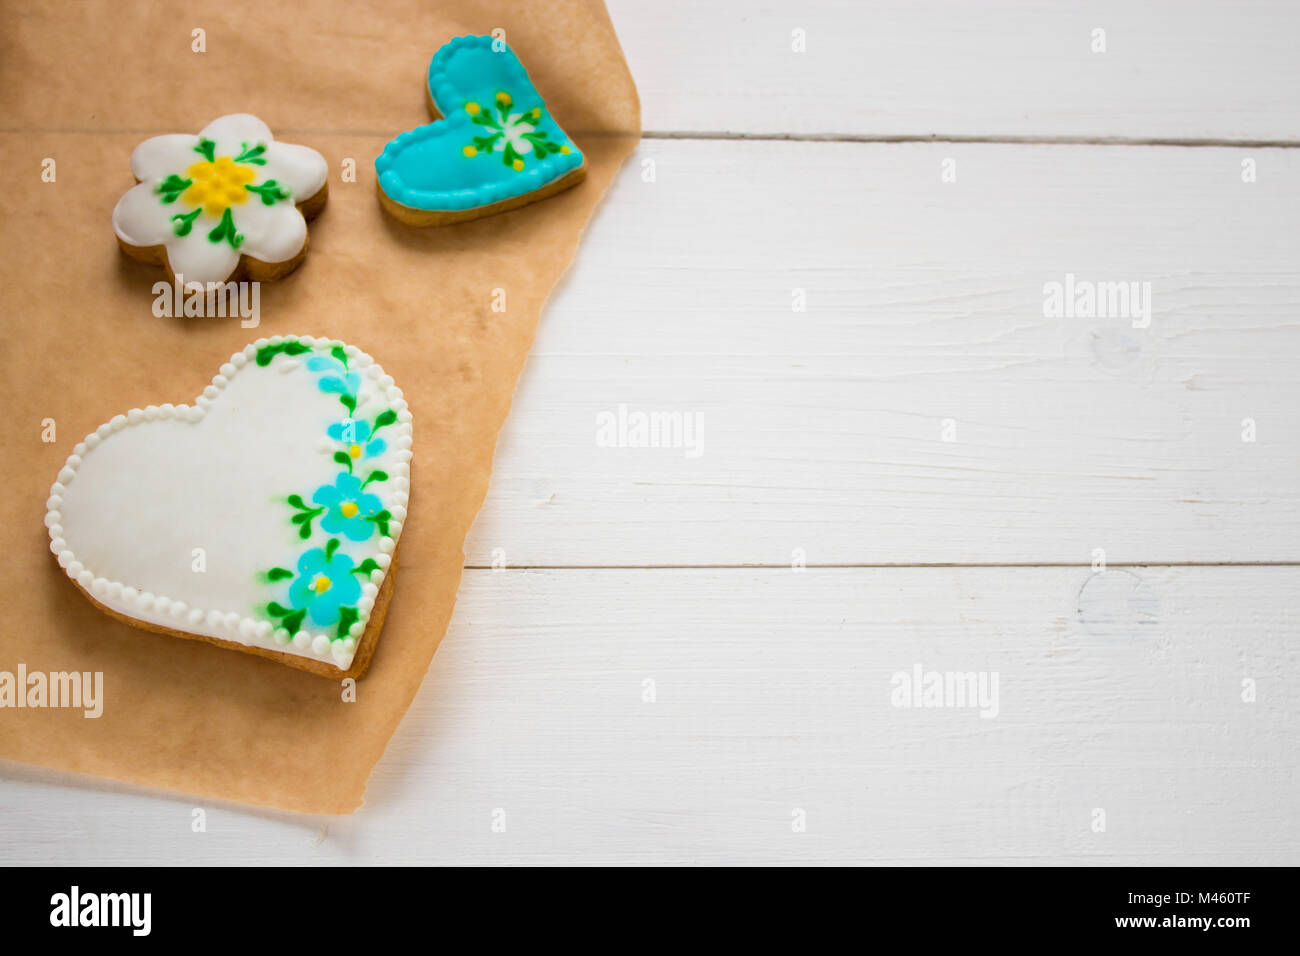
(265, 517)
(498, 147)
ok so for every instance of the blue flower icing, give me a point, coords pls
(348, 508)
(355, 434)
(432, 167)
(339, 380)
(324, 584)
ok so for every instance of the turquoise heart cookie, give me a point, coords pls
(497, 148)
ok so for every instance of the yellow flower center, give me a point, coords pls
(321, 584)
(472, 109)
(504, 98)
(518, 164)
(349, 509)
(217, 185)
(469, 151)
(355, 452)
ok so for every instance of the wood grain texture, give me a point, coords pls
(1209, 69)
(823, 430)
(1120, 691)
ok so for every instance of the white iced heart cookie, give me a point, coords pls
(264, 517)
(228, 202)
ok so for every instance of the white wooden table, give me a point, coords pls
(651, 678)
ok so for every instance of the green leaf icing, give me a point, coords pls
(366, 566)
(293, 623)
(225, 230)
(182, 223)
(305, 515)
(347, 617)
(251, 154)
(172, 187)
(270, 191)
(264, 356)
(381, 521)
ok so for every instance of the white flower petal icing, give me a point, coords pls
(231, 132)
(156, 157)
(297, 167)
(140, 219)
(271, 233)
(202, 262)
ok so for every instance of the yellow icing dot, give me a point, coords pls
(472, 109)
(217, 185)
(355, 452)
(504, 98)
(349, 509)
(469, 151)
(564, 150)
(537, 113)
(518, 164)
(321, 584)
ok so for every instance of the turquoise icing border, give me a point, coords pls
(409, 162)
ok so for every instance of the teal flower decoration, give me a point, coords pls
(325, 585)
(350, 510)
(338, 379)
(357, 439)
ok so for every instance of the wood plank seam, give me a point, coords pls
(883, 565)
(997, 139)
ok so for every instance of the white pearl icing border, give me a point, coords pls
(235, 626)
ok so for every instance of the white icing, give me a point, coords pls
(271, 233)
(129, 509)
(193, 257)
(161, 156)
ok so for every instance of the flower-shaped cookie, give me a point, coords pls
(228, 201)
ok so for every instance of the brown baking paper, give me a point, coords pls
(82, 84)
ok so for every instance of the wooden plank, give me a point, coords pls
(823, 431)
(774, 692)
(1014, 68)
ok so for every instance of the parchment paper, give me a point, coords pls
(82, 83)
